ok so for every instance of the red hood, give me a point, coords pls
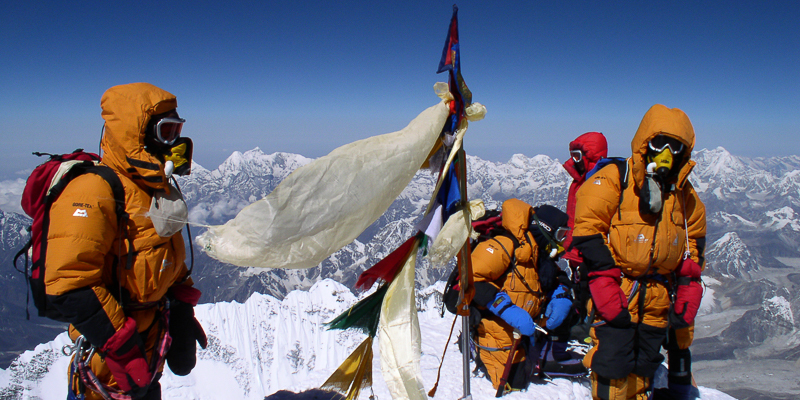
(594, 147)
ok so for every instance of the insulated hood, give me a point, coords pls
(516, 218)
(594, 147)
(660, 120)
(126, 110)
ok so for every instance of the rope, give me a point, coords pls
(432, 392)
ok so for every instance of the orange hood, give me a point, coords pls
(127, 110)
(660, 120)
(516, 218)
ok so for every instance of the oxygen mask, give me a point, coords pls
(662, 151)
(179, 159)
(660, 164)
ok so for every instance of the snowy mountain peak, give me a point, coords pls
(717, 162)
(730, 257)
(784, 217)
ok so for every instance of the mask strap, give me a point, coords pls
(553, 243)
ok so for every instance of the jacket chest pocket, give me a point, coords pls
(631, 239)
(672, 236)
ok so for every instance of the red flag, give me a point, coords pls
(387, 268)
(451, 61)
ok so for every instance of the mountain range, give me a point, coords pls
(753, 251)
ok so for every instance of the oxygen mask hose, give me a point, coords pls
(169, 167)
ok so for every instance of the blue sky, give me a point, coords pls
(306, 77)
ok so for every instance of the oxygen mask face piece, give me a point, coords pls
(554, 249)
(662, 154)
(661, 164)
(179, 159)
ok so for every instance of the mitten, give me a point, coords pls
(515, 316)
(558, 308)
(608, 297)
(688, 294)
(184, 329)
(124, 356)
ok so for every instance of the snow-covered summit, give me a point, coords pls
(265, 345)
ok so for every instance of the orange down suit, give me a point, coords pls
(608, 220)
(87, 276)
(490, 263)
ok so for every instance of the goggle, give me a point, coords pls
(561, 234)
(662, 142)
(577, 155)
(558, 236)
(168, 130)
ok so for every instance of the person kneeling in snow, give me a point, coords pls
(512, 285)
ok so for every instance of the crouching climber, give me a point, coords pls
(508, 272)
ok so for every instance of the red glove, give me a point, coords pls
(688, 294)
(608, 297)
(124, 356)
(186, 294)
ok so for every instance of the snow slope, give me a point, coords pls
(266, 345)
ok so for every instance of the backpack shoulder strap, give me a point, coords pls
(115, 183)
(511, 254)
(512, 265)
(118, 191)
(622, 167)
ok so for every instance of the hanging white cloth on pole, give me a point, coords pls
(324, 205)
(399, 336)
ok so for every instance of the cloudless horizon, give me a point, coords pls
(306, 77)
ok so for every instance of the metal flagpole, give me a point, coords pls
(465, 271)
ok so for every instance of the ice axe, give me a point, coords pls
(507, 370)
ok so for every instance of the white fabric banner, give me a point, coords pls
(399, 336)
(455, 232)
(324, 205)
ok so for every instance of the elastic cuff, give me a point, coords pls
(484, 293)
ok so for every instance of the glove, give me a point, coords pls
(184, 329)
(687, 296)
(124, 356)
(608, 297)
(558, 308)
(515, 316)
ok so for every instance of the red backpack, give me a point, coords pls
(42, 188)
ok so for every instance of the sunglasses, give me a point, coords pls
(576, 155)
(168, 130)
(662, 142)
